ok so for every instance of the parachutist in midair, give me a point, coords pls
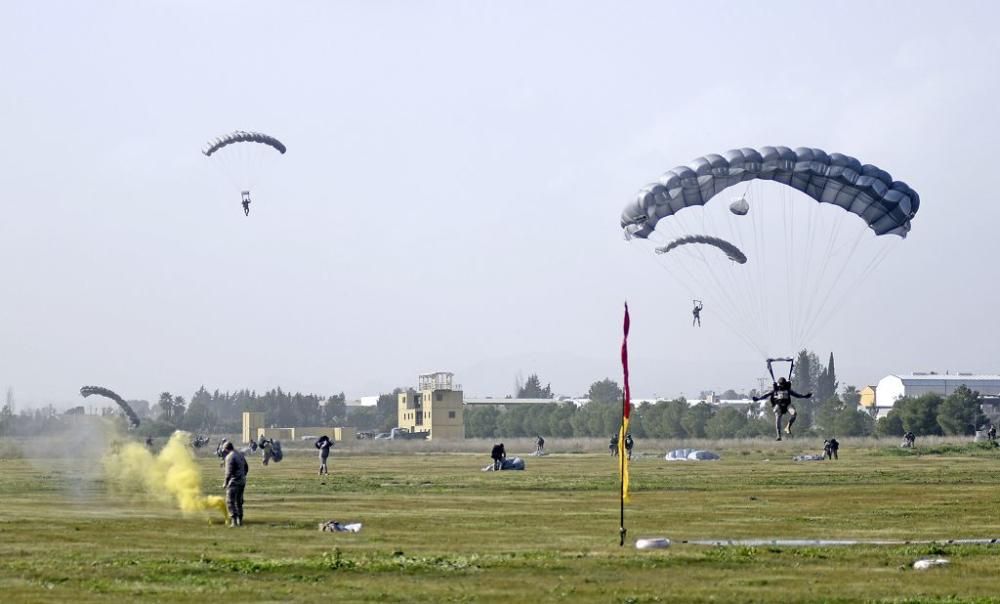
(781, 403)
(246, 203)
(696, 311)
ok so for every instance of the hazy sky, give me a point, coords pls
(451, 193)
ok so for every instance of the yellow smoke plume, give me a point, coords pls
(172, 477)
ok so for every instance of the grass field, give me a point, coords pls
(436, 529)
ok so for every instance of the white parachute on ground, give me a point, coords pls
(691, 455)
(820, 225)
(808, 458)
(652, 543)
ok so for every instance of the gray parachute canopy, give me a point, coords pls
(133, 419)
(241, 136)
(886, 206)
(729, 249)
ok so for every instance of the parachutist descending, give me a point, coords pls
(781, 396)
(781, 403)
(246, 203)
(696, 311)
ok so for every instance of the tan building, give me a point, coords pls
(252, 423)
(867, 397)
(434, 407)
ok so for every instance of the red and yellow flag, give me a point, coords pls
(626, 409)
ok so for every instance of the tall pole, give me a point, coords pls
(621, 492)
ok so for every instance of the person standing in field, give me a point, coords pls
(235, 483)
(323, 444)
(539, 445)
(267, 449)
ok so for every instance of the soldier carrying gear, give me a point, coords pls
(830, 448)
(323, 444)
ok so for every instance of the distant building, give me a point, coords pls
(435, 407)
(891, 388)
(868, 403)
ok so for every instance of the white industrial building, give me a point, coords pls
(891, 388)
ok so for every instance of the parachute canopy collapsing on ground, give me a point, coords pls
(133, 419)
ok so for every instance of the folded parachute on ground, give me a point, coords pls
(691, 455)
(727, 248)
(133, 418)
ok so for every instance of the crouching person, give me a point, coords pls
(235, 483)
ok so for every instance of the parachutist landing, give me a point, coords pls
(696, 311)
(246, 203)
(781, 403)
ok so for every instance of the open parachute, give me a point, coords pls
(244, 157)
(731, 251)
(133, 419)
(241, 136)
(812, 226)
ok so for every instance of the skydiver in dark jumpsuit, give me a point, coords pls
(781, 403)
(697, 313)
(246, 203)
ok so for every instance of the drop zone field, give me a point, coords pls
(437, 529)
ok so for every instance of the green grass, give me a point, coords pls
(436, 529)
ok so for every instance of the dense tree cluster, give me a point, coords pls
(959, 413)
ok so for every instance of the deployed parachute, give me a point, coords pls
(887, 206)
(818, 228)
(241, 136)
(731, 251)
(133, 419)
(242, 155)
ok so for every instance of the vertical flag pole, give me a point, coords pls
(623, 432)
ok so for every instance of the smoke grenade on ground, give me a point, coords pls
(172, 476)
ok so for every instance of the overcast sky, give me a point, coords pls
(452, 188)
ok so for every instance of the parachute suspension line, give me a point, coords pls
(872, 266)
(722, 292)
(800, 279)
(825, 299)
(788, 255)
(761, 280)
(819, 279)
(740, 275)
(732, 325)
(722, 305)
(806, 269)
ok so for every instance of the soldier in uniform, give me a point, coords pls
(235, 482)
(323, 444)
(781, 403)
(830, 448)
(498, 454)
